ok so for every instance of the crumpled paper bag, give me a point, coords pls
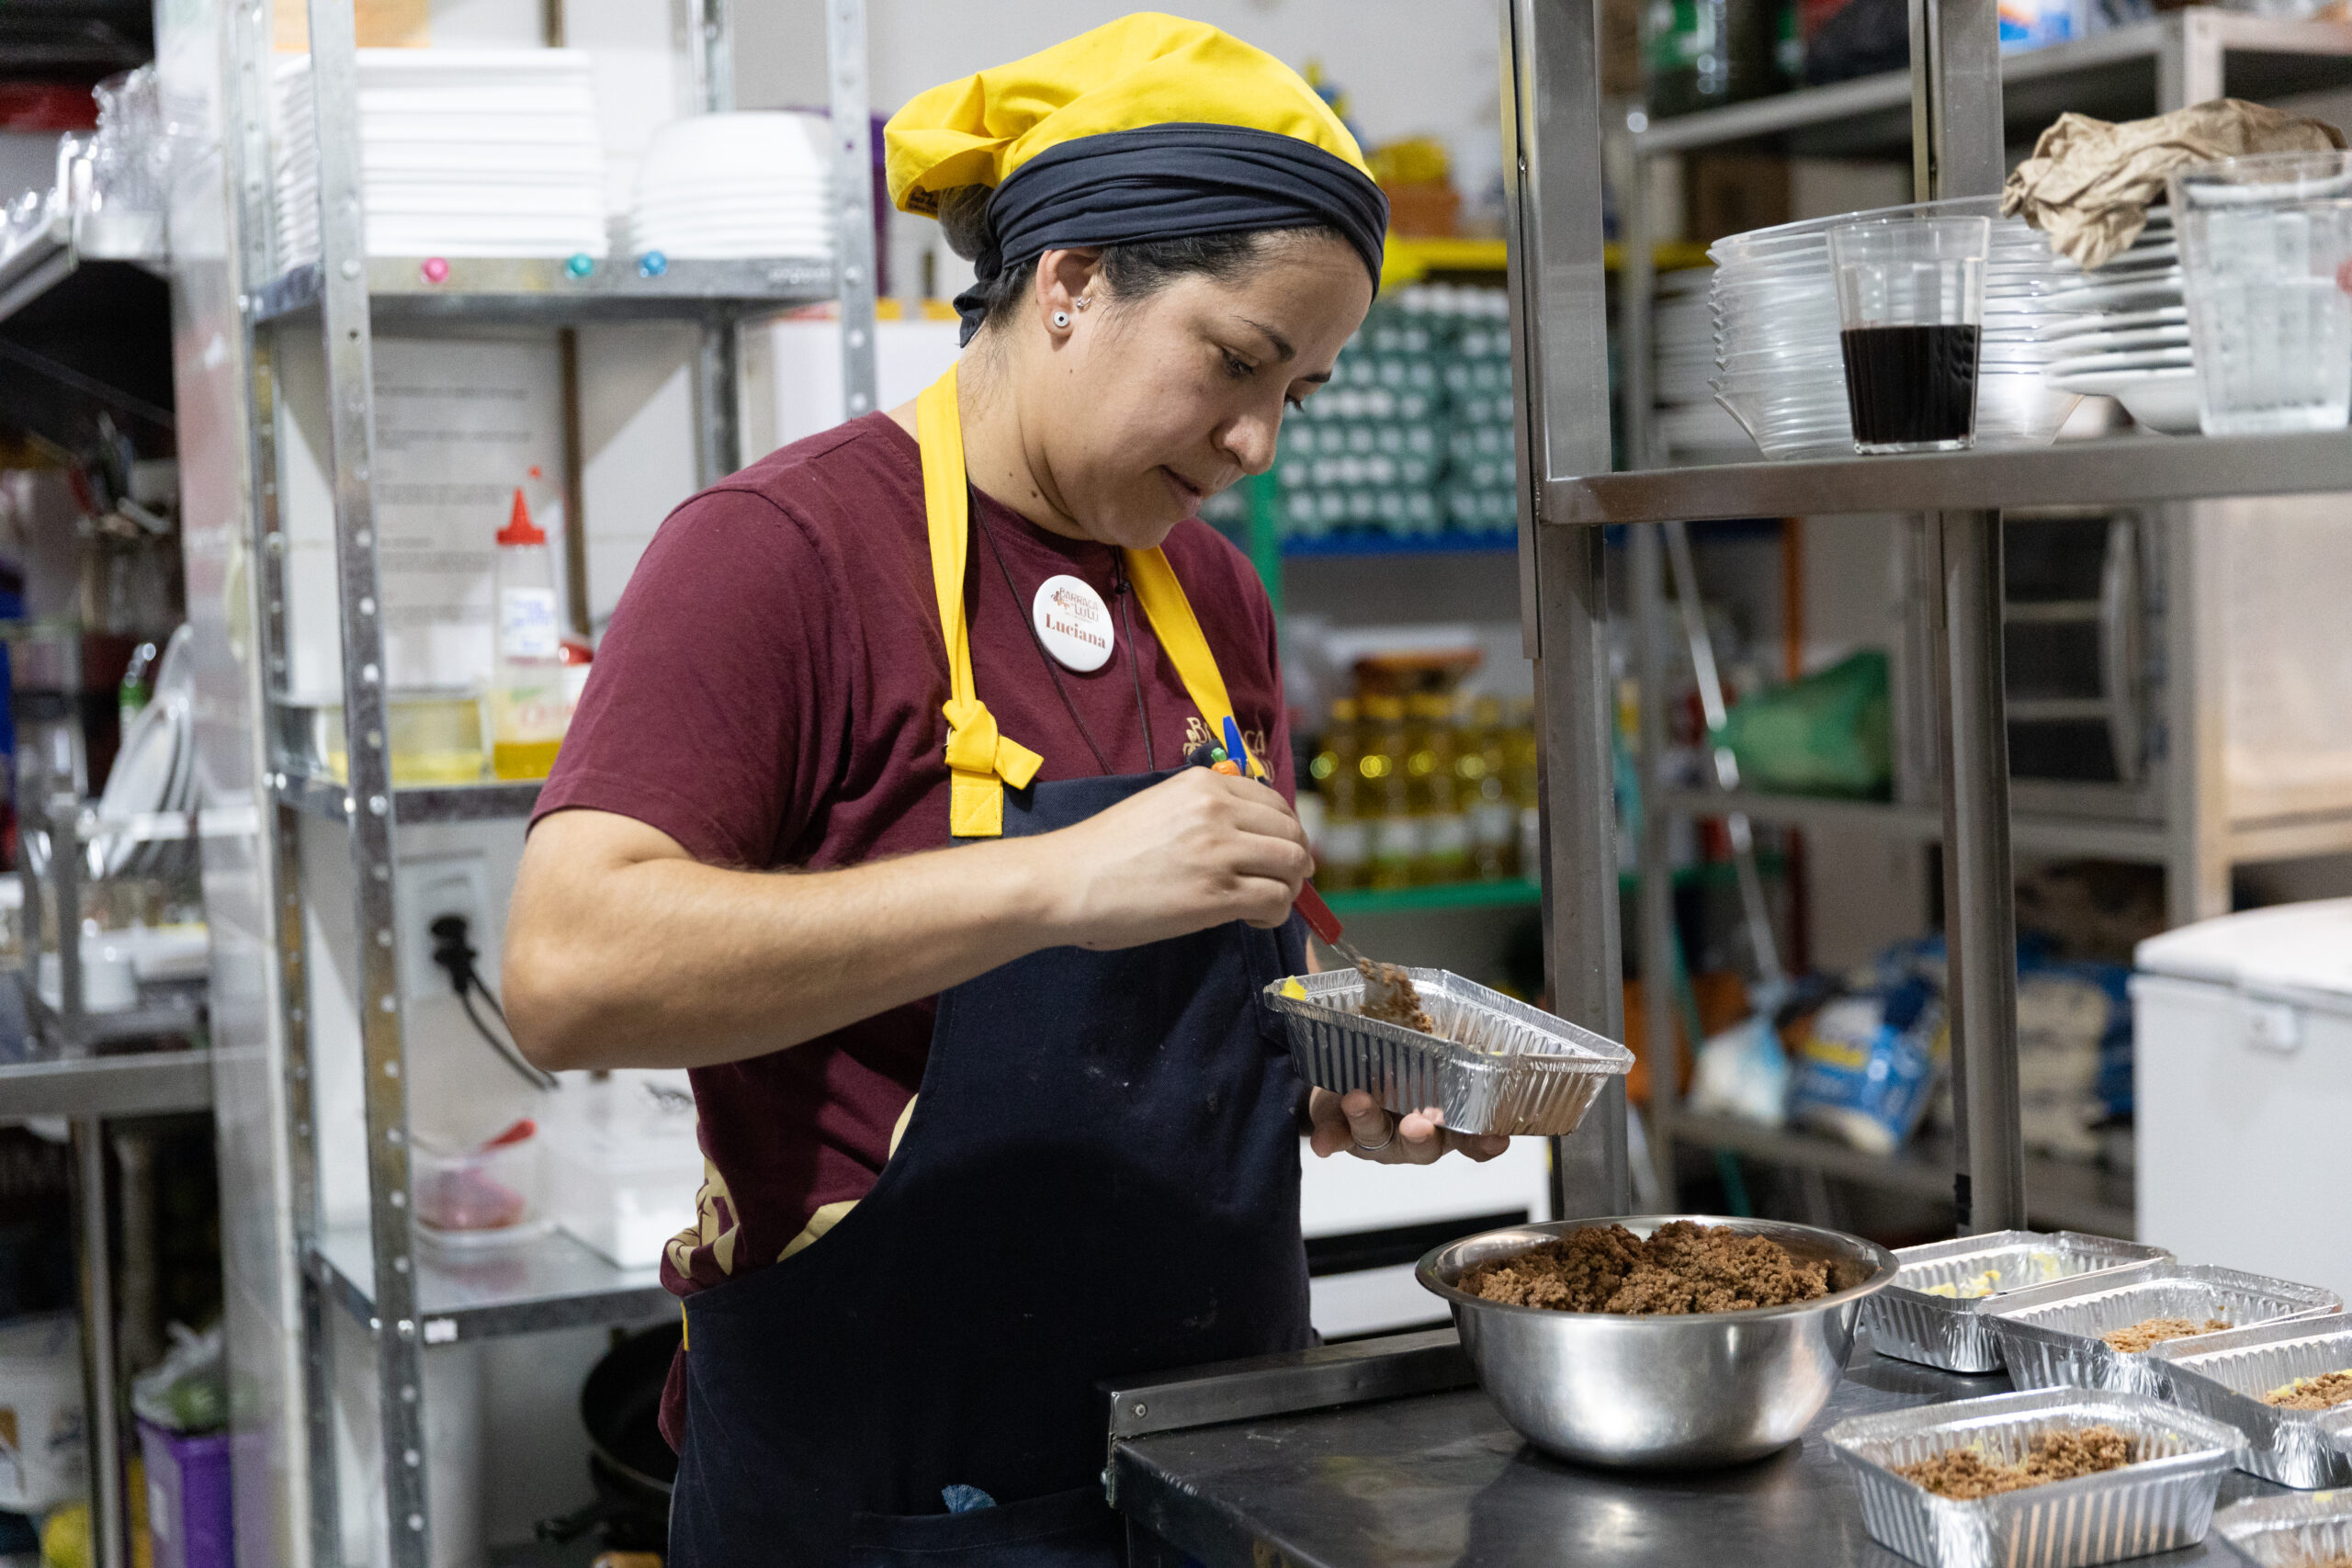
(2089, 182)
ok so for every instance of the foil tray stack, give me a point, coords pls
(2051, 1336)
(2162, 1502)
(1494, 1065)
(1910, 1320)
(2225, 1376)
(2288, 1532)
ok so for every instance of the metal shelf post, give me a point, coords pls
(1956, 150)
(1558, 288)
(853, 198)
(343, 311)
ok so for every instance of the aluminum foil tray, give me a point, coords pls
(2225, 1376)
(2289, 1532)
(2161, 1503)
(2050, 1335)
(1909, 1320)
(1494, 1065)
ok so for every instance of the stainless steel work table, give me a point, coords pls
(1437, 1479)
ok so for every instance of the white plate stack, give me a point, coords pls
(2131, 341)
(718, 186)
(1689, 425)
(463, 153)
(1780, 366)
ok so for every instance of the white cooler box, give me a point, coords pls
(623, 1164)
(1367, 1224)
(2243, 1087)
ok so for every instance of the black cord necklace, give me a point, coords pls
(1052, 667)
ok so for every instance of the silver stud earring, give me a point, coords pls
(1061, 320)
(1081, 301)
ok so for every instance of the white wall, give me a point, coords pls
(1411, 67)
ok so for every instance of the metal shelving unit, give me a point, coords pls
(2098, 472)
(2059, 1194)
(506, 800)
(294, 1269)
(1338, 547)
(48, 260)
(1956, 143)
(553, 1282)
(145, 1083)
(2184, 58)
(526, 290)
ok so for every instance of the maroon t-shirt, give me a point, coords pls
(769, 694)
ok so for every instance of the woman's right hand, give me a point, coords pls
(1192, 852)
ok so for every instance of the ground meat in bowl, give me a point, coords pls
(1963, 1475)
(1682, 1267)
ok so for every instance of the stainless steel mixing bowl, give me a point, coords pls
(1661, 1392)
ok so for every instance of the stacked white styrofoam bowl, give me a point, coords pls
(2131, 343)
(1780, 368)
(731, 185)
(1689, 426)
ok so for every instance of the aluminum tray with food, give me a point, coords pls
(2096, 1333)
(1644, 1376)
(1996, 1453)
(2313, 1532)
(1935, 1311)
(1494, 1064)
(2286, 1385)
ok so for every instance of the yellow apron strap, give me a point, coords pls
(1171, 619)
(981, 761)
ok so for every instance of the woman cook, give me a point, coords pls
(991, 1109)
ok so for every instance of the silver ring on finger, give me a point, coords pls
(1375, 1148)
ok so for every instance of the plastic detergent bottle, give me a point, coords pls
(527, 695)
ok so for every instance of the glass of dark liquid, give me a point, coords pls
(1911, 307)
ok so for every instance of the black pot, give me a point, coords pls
(630, 1461)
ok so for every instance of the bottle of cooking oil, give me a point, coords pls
(1343, 850)
(1396, 831)
(1428, 765)
(1522, 755)
(1483, 767)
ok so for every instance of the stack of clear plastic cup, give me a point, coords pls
(1779, 367)
(2266, 242)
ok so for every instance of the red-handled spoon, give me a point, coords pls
(1388, 992)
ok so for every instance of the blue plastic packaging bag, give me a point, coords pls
(1866, 1068)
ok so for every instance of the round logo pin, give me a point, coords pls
(1073, 623)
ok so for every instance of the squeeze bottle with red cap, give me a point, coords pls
(528, 707)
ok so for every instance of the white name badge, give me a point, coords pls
(1073, 623)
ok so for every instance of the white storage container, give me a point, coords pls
(2242, 1089)
(623, 1164)
(43, 1460)
(1367, 1224)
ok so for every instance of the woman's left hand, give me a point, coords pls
(1356, 1123)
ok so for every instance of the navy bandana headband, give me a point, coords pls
(1171, 181)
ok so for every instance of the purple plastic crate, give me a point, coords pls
(187, 1498)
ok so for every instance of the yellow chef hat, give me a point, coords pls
(1144, 70)
(1148, 128)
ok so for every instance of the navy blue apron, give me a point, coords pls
(1100, 1180)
